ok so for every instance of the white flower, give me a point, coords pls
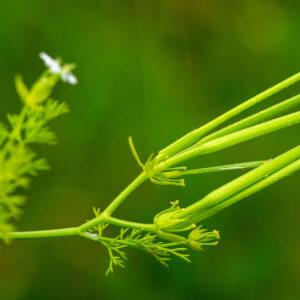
(67, 76)
(56, 68)
(53, 65)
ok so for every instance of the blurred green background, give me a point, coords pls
(153, 70)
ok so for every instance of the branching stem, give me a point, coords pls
(125, 193)
(115, 203)
(102, 218)
(174, 230)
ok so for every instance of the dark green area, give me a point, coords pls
(153, 70)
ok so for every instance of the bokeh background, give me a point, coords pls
(153, 70)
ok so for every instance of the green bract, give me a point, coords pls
(175, 230)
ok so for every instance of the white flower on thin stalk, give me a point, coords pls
(56, 68)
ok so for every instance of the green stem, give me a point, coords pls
(115, 203)
(125, 193)
(129, 224)
(78, 231)
(51, 233)
(145, 227)
(104, 217)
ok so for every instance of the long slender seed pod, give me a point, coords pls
(273, 178)
(237, 166)
(198, 133)
(232, 139)
(255, 118)
(245, 185)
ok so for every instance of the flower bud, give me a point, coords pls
(202, 237)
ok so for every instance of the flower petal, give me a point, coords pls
(69, 78)
(51, 63)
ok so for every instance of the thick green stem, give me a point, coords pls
(51, 233)
(78, 231)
